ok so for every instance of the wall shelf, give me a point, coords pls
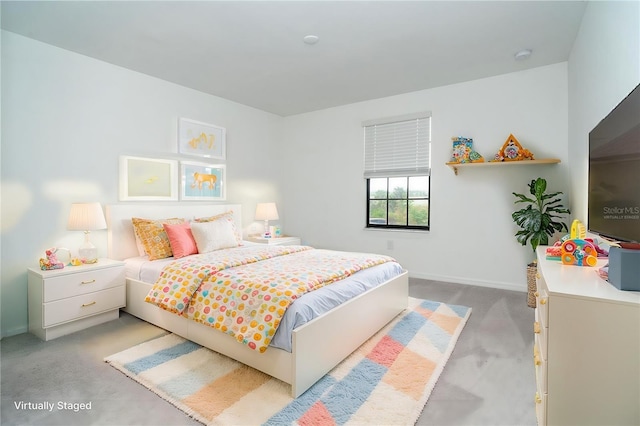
(456, 166)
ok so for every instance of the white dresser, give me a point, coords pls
(587, 348)
(63, 301)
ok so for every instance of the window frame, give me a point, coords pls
(398, 147)
(407, 199)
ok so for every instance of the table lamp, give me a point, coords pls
(266, 212)
(86, 217)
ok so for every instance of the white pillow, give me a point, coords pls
(228, 215)
(214, 235)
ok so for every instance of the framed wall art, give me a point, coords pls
(201, 139)
(148, 179)
(200, 181)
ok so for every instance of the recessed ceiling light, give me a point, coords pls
(311, 39)
(523, 54)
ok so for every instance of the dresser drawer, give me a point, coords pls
(541, 334)
(541, 408)
(73, 308)
(542, 306)
(540, 364)
(62, 287)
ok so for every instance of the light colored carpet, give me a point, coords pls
(386, 381)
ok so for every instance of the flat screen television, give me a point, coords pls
(614, 172)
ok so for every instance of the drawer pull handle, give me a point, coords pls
(543, 301)
(538, 275)
(538, 399)
(88, 282)
(84, 305)
(536, 294)
(536, 327)
(536, 360)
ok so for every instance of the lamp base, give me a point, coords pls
(266, 233)
(87, 252)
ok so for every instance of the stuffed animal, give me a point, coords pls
(525, 154)
(51, 262)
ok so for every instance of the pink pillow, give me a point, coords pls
(181, 239)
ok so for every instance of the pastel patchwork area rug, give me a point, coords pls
(386, 381)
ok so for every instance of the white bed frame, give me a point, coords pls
(317, 346)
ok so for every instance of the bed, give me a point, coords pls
(315, 347)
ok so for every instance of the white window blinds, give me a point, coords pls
(397, 146)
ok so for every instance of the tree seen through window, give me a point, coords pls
(398, 202)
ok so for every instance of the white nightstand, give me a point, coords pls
(63, 301)
(276, 241)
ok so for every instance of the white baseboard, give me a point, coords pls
(15, 332)
(479, 283)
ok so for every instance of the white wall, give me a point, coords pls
(550, 110)
(603, 68)
(65, 120)
(472, 233)
(1, 334)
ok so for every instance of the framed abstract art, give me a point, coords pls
(149, 179)
(201, 139)
(201, 181)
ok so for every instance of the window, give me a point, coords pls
(397, 172)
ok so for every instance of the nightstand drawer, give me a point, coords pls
(276, 241)
(74, 284)
(73, 308)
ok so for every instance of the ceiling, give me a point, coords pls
(253, 52)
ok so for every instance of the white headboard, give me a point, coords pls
(120, 237)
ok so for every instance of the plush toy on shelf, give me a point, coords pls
(512, 151)
(463, 151)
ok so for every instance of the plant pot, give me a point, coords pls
(532, 270)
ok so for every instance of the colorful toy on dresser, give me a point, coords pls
(579, 252)
(575, 248)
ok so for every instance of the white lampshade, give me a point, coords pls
(86, 217)
(266, 211)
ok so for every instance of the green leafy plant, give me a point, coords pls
(538, 221)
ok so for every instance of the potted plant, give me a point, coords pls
(538, 221)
